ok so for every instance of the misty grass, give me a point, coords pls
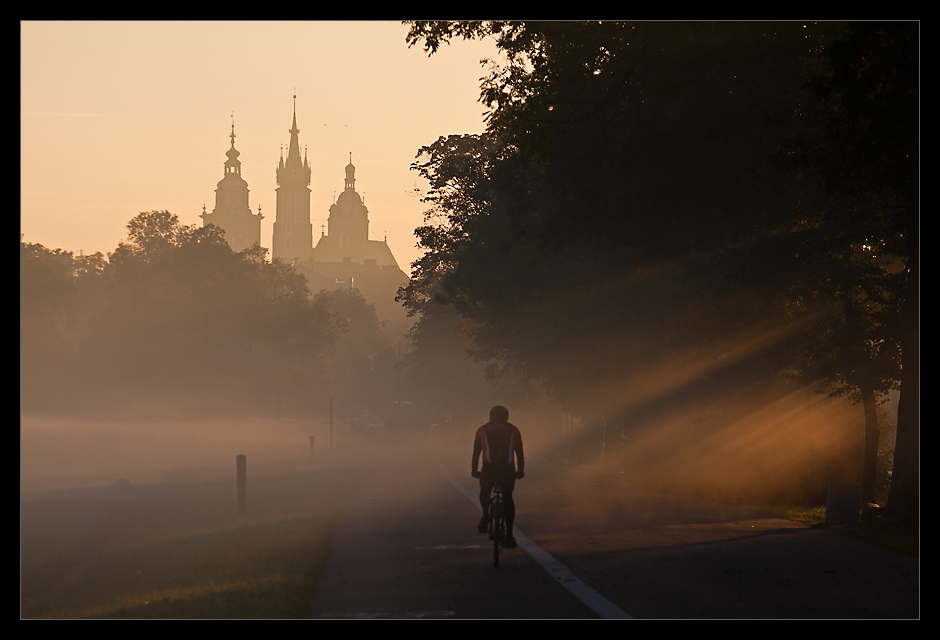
(255, 569)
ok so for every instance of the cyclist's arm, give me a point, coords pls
(520, 456)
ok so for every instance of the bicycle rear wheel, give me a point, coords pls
(497, 527)
(498, 534)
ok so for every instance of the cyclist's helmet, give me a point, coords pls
(499, 413)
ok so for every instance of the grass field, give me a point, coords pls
(171, 551)
(177, 548)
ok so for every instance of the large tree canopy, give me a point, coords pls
(646, 191)
(621, 164)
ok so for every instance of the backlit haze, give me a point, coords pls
(123, 117)
(683, 333)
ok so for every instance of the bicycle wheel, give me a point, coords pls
(497, 526)
(497, 539)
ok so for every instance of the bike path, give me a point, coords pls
(407, 547)
(669, 557)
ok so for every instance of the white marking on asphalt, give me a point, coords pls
(454, 546)
(594, 600)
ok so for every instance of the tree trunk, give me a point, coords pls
(904, 498)
(872, 435)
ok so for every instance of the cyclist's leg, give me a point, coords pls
(486, 487)
(510, 507)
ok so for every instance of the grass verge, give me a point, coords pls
(142, 553)
(884, 531)
(813, 516)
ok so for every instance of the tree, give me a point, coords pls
(624, 204)
(48, 300)
(188, 319)
(868, 164)
(620, 165)
(362, 362)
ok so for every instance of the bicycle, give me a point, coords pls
(497, 517)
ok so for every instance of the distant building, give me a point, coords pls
(293, 232)
(231, 213)
(344, 256)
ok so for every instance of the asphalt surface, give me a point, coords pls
(407, 547)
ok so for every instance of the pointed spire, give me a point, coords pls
(293, 151)
(293, 169)
(294, 128)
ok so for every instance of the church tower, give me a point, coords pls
(231, 213)
(293, 232)
(347, 239)
(349, 219)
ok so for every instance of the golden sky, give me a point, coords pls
(123, 117)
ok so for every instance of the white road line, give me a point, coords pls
(594, 600)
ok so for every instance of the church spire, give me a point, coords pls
(293, 232)
(233, 164)
(231, 213)
(293, 168)
(293, 151)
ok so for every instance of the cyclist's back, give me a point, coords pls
(499, 443)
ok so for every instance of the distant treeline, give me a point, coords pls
(175, 321)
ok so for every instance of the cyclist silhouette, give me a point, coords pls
(500, 445)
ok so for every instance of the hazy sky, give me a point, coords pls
(123, 117)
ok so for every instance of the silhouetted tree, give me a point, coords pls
(862, 237)
(174, 313)
(626, 202)
(621, 164)
(362, 362)
(48, 300)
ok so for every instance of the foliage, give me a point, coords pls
(869, 161)
(362, 365)
(175, 315)
(631, 201)
(620, 166)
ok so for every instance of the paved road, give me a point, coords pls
(407, 547)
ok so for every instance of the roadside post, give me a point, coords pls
(241, 481)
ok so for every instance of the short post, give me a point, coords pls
(241, 481)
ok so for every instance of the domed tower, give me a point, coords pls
(293, 232)
(345, 256)
(349, 219)
(231, 213)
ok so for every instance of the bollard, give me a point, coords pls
(241, 481)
